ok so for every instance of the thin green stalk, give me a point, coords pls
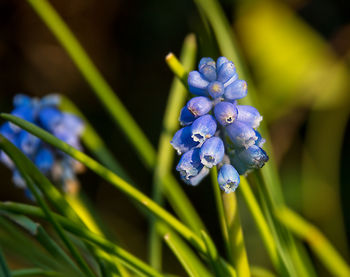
(165, 157)
(260, 221)
(34, 272)
(126, 258)
(13, 153)
(234, 239)
(172, 190)
(317, 241)
(111, 177)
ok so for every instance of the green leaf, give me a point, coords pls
(125, 257)
(34, 272)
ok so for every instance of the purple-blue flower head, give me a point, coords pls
(217, 127)
(45, 114)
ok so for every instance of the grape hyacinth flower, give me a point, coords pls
(217, 131)
(55, 164)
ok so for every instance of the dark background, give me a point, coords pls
(128, 41)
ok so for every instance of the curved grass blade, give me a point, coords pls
(111, 177)
(165, 156)
(37, 231)
(19, 159)
(34, 272)
(172, 190)
(125, 257)
(4, 270)
(317, 241)
(185, 256)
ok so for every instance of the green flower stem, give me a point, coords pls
(165, 157)
(230, 221)
(177, 68)
(114, 179)
(12, 152)
(260, 221)
(317, 241)
(119, 113)
(126, 258)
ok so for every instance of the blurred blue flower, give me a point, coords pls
(216, 126)
(44, 113)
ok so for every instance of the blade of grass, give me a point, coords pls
(111, 177)
(165, 156)
(317, 241)
(23, 248)
(260, 221)
(34, 272)
(188, 260)
(37, 231)
(126, 258)
(113, 105)
(16, 156)
(4, 270)
(233, 235)
(214, 258)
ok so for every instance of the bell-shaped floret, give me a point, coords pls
(212, 152)
(203, 128)
(44, 159)
(241, 134)
(190, 164)
(50, 118)
(225, 113)
(195, 180)
(199, 106)
(182, 140)
(228, 178)
(216, 89)
(197, 84)
(27, 143)
(249, 115)
(237, 90)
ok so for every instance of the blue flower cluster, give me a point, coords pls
(53, 163)
(218, 131)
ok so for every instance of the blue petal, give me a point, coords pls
(228, 178)
(6, 160)
(260, 141)
(220, 61)
(50, 118)
(199, 106)
(226, 72)
(212, 152)
(237, 90)
(225, 113)
(70, 124)
(50, 100)
(189, 164)
(182, 140)
(208, 72)
(186, 117)
(21, 100)
(27, 143)
(44, 159)
(241, 134)
(249, 115)
(251, 158)
(203, 128)
(25, 112)
(206, 61)
(195, 180)
(7, 131)
(216, 89)
(197, 84)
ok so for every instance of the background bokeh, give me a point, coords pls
(297, 51)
